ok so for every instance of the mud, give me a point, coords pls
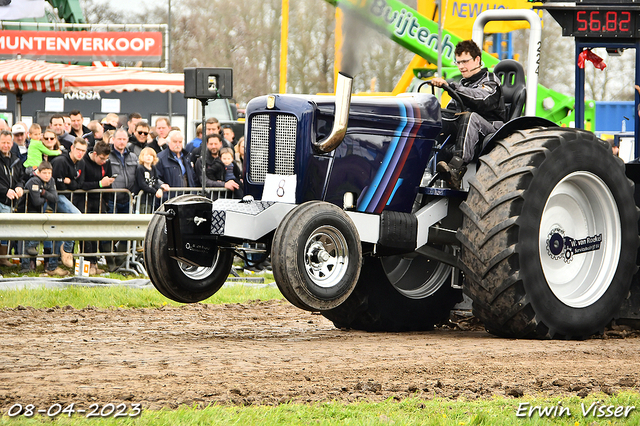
(271, 352)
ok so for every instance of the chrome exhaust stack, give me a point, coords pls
(343, 102)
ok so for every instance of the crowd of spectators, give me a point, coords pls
(43, 169)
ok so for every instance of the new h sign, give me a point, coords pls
(81, 45)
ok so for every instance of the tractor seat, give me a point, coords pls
(514, 87)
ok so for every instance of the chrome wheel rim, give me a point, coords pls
(326, 256)
(197, 273)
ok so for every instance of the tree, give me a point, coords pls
(101, 13)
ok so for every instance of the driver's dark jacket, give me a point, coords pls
(481, 93)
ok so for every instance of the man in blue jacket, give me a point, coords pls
(123, 167)
(174, 167)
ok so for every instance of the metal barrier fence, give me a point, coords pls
(99, 225)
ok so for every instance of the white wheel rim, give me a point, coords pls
(580, 206)
(198, 273)
(326, 256)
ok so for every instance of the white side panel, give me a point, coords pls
(250, 227)
(428, 215)
(368, 226)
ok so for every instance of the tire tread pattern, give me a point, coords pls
(489, 235)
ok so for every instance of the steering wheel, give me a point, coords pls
(454, 95)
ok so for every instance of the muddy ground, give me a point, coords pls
(270, 352)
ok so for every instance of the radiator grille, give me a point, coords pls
(285, 145)
(259, 154)
(286, 126)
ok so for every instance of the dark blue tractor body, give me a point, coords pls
(388, 144)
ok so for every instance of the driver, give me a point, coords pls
(481, 95)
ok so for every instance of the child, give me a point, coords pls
(49, 146)
(147, 179)
(231, 171)
(35, 132)
(42, 190)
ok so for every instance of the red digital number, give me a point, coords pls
(581, 21)
(611, 21)
(624, 23)
(594, 21)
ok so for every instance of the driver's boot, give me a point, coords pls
(454, 170)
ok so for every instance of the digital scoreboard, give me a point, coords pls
(601, 19)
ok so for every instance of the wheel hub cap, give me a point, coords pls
(580, 237)
(326, 256)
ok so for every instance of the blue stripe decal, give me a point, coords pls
(395, 188)
(366, 199)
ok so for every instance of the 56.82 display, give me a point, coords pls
(604, 23)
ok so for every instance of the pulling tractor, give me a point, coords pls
(344, 195)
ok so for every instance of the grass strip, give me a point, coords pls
(125, 297)
(494, 412)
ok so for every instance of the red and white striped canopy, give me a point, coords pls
(38, 76)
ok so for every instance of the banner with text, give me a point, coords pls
(81, 45)
(459, 15)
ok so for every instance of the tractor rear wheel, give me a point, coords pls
(398, 293)
(549, 235)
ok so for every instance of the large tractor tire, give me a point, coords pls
(176, 280)
(549, 235)
(398, 293)
(316, 256)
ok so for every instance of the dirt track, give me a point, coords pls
(271, 352)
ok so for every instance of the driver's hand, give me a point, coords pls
(438, 82)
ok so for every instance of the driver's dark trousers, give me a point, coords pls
(469, 129)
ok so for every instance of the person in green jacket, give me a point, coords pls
(49, 146)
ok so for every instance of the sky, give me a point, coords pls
(126, 4)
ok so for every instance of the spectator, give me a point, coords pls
(20, 145)
(214, 169)
(173, 165)
(4, 125)
(94, 135)
(239, 150)
(42, 191)
(98, 175)
(35, 132)
(195, 143)
(152, 135)
(139, 138)
(132, 122)
(123, 165)
(111, 121)
(147, 179)
(10, 183)
(229, 135)
(56, 123)
(212, 125)
(231, 172)
(68, 173)
(163, 127)
(67, 124)
(49, 146)
(108, 136)
(78, 129)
